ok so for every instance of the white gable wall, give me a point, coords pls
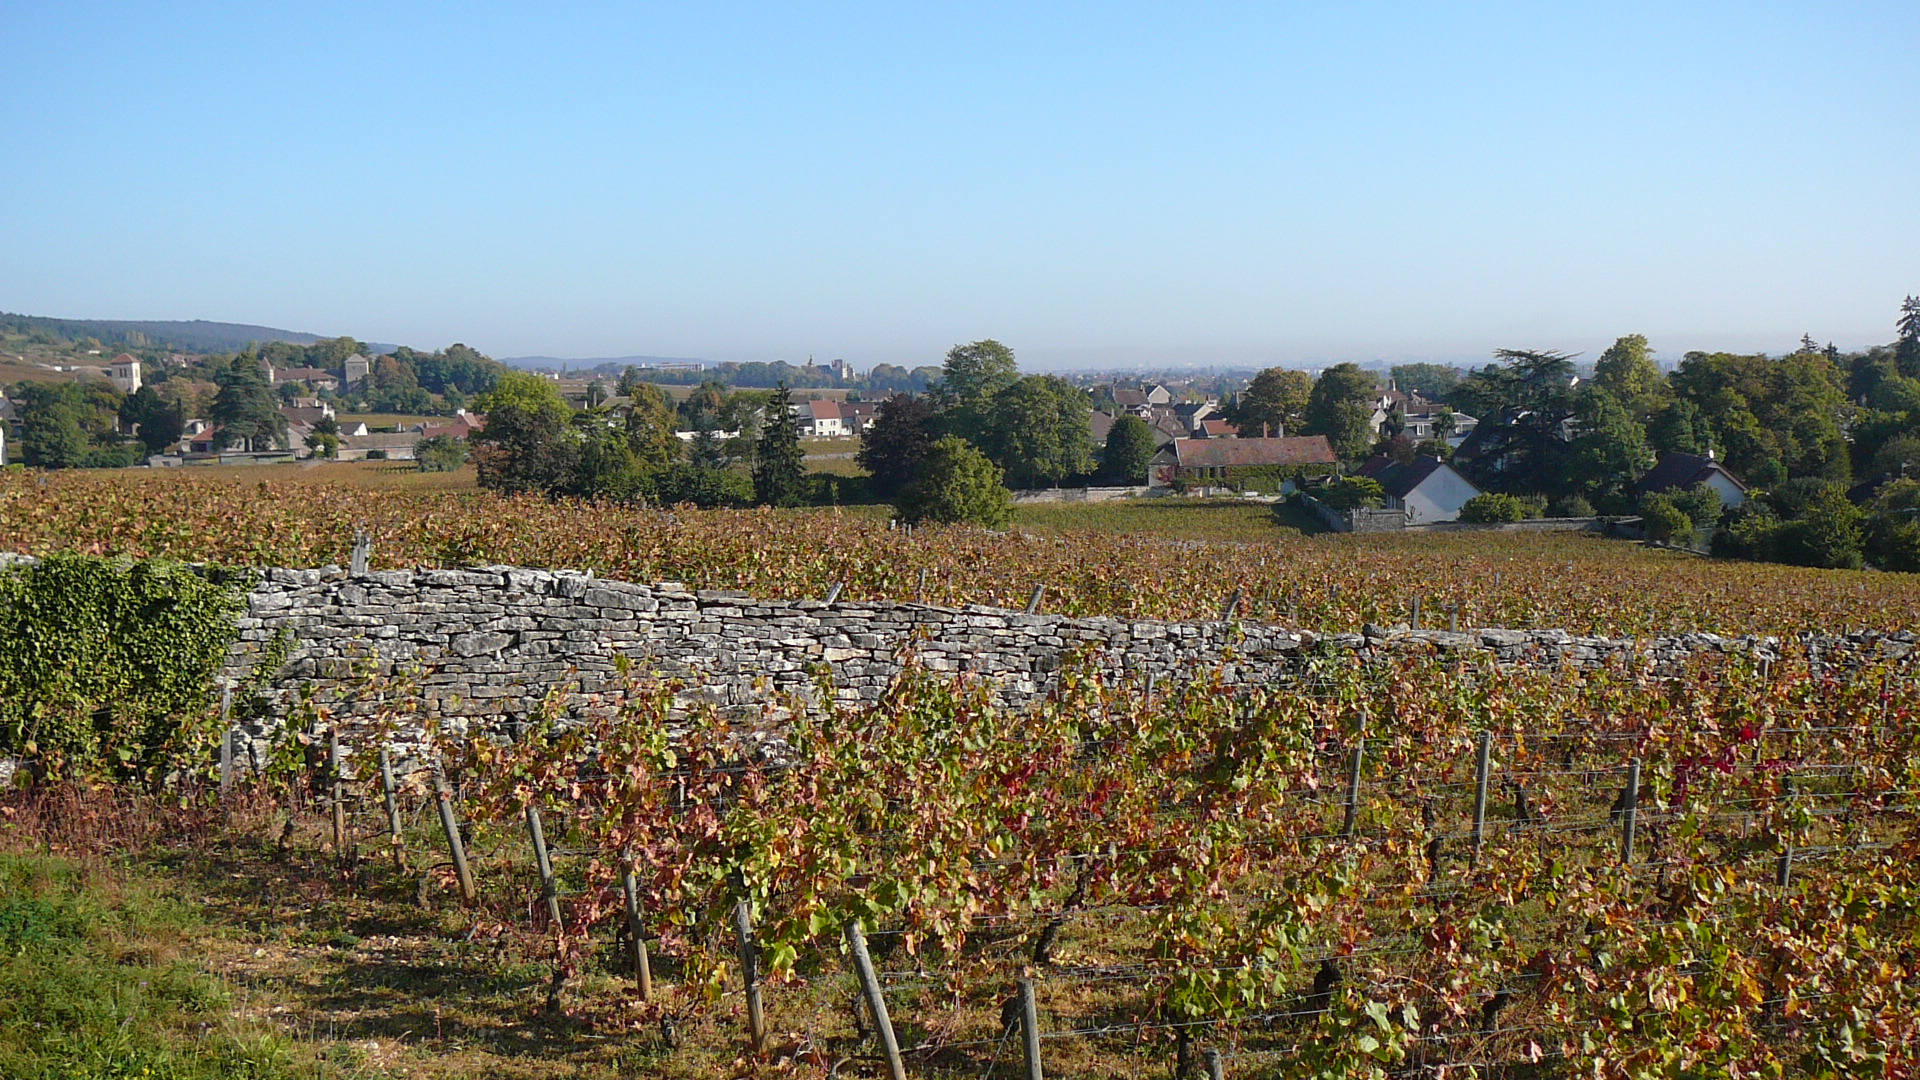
(1723, 486)
(1438, 498)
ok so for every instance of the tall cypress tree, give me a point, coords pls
(779, 474)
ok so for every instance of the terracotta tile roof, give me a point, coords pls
(1306, 450)
(1219, 429)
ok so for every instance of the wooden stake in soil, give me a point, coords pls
(337, 796)
(1416, 613)
(1215, 1070)
(545, 862)
(455, 846)
(750, 972)
(1033, 603)
(394, 838)
(1353, 787)
(1030, 1030)
(226, 739)
(1480, 792)
(636, 927)
(1783, 868)
(833, 594)
(1629, 811)
(876, 1001)
(1232, 605)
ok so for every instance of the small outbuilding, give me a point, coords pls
(1677, 472)
(1426, 488)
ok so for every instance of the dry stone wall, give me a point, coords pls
(487, 644)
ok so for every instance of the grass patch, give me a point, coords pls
(96, 981)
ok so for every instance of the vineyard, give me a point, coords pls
(1423, 868)
(1577, 583)
(1394, 865)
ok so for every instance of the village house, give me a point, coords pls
(463, 425)
(356, 369)
(1216, 428)
(1138, 400)
(306, 416)
(1426, 488)
(1269, 465)
(858, 416)
(819, 419)
(1677, 472)
(317, 379)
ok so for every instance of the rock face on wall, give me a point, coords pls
(488, 643)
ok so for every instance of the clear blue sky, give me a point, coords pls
(1093, 184)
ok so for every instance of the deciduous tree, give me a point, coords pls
(892, 449)
(1337, 407)
(1128, 451)
(957, 484)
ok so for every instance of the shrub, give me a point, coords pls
(441, 453)
(1570, 506)
(1750, 533)
(1664, 521)
(957, 484)
(1491, 508)
(1701, 504)
(1353, 493)
(703, 486)
(1827, 533)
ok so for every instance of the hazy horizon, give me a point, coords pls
(1115, 187)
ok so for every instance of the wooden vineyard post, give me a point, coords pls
(1182, 1053)
(636, 927)
(455, 846)
(1783, 868)
(1215, 1070)
(362, 553)
(1416, 613)
(833, 594)
(921, 595)
(1232, 605)
(749, 972)
(336, 796)
(545, 861)
(1353, 788)
(395, 839)
(1453, 617)
(876, 1001)
(1629, 812)
(226, 739)
(1480, 792)
(1033, 602)
(1030, 1030)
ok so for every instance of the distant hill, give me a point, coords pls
(193, 335)
(616, 363)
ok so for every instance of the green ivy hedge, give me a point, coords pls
(107, 665)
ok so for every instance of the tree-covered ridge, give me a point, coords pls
(184, 335)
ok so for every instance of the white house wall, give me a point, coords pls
(1439, 497)
(1729, 492)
